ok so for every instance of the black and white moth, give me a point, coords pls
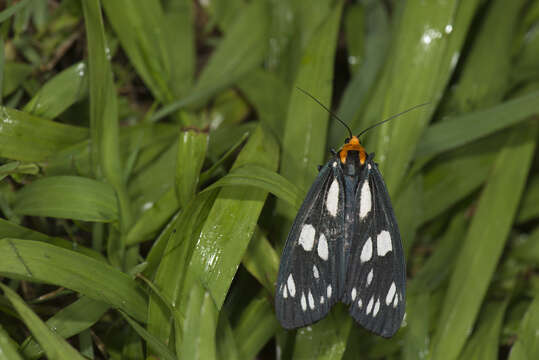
(344, 246)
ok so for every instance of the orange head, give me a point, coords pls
(352, 144)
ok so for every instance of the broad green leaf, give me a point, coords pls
(69, 321)
(527, 347)
(54, 346)
(262, 178)
(255, 327)
(68, 197)
(192, 147)
(30, 138)
(8, 347)
(232, 221)
(226, 343)
(448, 134)
(60, 92)
(14, 75)
(198, 333)
(160, 348)
(39, 262)
(484, 343)
(484, 241)
(425, 49)
(104, 128)
(529, 207)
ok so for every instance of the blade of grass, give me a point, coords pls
(104, 111)
(484, 242)
(8, 347)
(526, 347)
(60, 92)
(30, 138)
(39, 262)
(68, 197)
(69, 321)
(54, 346)
(192, 146)
(262, 261)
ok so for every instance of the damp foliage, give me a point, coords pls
(154, 154)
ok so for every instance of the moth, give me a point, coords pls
(344, 246)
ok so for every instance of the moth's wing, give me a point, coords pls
(307, 284)
(376, 275)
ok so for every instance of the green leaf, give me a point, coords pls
(38, 262)
(526, 347)
(262, 178)
(160, 348)
(68, 197)
(448, 134)
(484, 242)
(262, 261)
(104, 129)
(10, 11)
(484, 343)
(232, 221)
(255, 327)
(529, 207)
(69, 321)
(192, 147)
(198, 335)
(30, 138)
(8, 347)
(54, 346)
(60, 92)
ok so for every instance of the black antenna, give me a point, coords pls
(329, 111)
(392, 117)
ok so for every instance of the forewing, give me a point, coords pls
(308, 274)
(376, 274)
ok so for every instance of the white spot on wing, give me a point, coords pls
(332, 200)
(334, 164)
(323, 250)
(369, 306)
(360, 303)
(366, 252)
(311, 300)
(391, 293)
(383, 243)
(353, 294)
(321, 299)
(376, 308)
(315, 272)
(395, 301)
(291, 285)
(365, 204)
(285, 292)
(329, 291)
(303, 302)
(369, 277)
(306, 237)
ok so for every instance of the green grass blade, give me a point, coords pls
(39, 262)
(60, 92)
(68, 197)
(198, 335)
(484, 242)
(54, 346)
(30, 138)
(527, 347)
(262, 178)
(255, 327)
(192, 146)
(262, 261)
(160, 348)
(529, 208)
(10, 11)
(449, 134)
(8, 347)
(241, 50)
(425, 47)
(484, 343)
(104, 129)
(69, 321)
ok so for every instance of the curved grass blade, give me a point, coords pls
(8, 347)
(54, 346)
(39, 262)
(68, 197)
